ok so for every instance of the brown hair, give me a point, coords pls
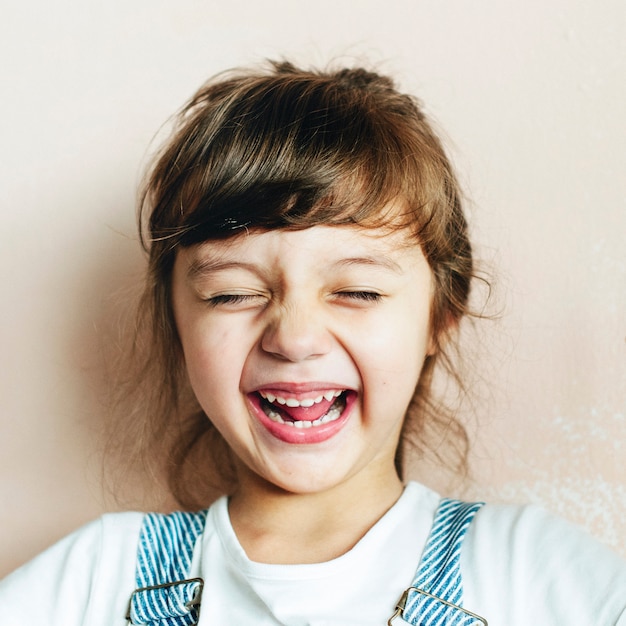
(283, 147)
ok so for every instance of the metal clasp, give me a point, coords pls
(401, 605)
(194, 602)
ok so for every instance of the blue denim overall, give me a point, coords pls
(165, 596)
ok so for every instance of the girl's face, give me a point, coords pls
(304, 347)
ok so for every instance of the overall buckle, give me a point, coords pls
(402, 602)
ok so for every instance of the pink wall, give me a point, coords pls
(532, 95)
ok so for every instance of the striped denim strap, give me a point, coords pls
(436, 595)
(165, 595)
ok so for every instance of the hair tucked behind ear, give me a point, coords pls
(288, 148)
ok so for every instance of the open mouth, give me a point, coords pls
(304, 413)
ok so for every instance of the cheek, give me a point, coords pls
(390, 368)
(213, 360)
(402, 343)
(392, 363)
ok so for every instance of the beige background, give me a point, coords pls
(532, 95)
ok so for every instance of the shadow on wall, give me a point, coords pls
(115, 282)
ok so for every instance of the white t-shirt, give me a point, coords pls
(520, 566)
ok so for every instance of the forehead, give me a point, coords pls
(317, 247)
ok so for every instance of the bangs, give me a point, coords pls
(281, 151)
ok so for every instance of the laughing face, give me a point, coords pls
(304, 348)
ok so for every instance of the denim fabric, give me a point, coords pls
(436, 594)
(164, 596)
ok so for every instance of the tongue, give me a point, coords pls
(309, 414)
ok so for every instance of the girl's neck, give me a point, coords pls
(275, 526)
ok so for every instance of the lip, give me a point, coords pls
(289, 434)
(299, 389)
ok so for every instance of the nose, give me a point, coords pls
(296, 332)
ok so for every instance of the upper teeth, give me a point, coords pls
(306, 402)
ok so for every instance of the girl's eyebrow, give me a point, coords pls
(373, 261)
(199, 268)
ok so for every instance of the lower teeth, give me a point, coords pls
(333, 413)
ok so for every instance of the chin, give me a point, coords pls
(303, 482)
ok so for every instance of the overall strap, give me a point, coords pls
(436, 596)
(165, 596)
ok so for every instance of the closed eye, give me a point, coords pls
(364, 296)
(231, 298)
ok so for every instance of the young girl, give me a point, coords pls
(309, 266)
